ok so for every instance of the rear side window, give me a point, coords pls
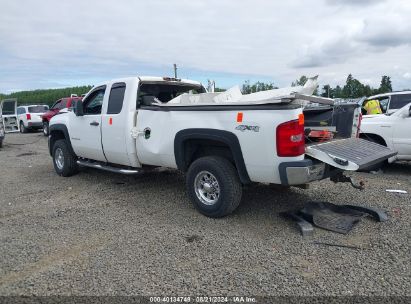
(115, 102)
(398, 101)
(20, 111)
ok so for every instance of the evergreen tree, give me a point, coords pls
(385, 85)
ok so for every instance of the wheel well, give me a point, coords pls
(55, 135)
(190, 144)
(196, 148)
(374, 137)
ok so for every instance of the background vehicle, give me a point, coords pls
(390, 130)
(30, 117)
(68, 102)
(134, 124)
(390, 102)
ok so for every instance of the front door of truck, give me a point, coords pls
(85, 131)
(115, 118)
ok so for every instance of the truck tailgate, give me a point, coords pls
(349, 154)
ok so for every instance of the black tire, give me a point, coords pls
(228, 182)
(45, 128)
(23, 129)
(68, 166)
(1, 143)
(376, 166)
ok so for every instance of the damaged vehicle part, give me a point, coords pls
(9, 112)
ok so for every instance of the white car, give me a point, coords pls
(391, 130)
(30, 117)
(221, 140)
(390, 102)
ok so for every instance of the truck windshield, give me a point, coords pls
(38, 109)
(164, 91)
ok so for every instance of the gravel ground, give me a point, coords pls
(99, 233)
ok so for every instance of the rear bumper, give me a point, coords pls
(302, 172)
(37, 124)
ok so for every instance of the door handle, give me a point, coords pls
(94, 123)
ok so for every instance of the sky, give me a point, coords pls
(52, 44)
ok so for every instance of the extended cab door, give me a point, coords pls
(114, 125)
(85, 131)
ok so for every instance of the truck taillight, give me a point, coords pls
(28, 116)
(290, 138)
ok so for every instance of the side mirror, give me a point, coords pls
(78, 110)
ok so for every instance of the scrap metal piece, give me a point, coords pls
(341, 178)
(396, 191)
(337, 245)
(331, 217)
(378, 215)
(304, 226)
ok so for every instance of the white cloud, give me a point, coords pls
(56, 43)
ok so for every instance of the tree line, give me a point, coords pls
(47, 96)
(352, 88)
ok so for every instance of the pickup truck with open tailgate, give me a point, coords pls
(222, 141)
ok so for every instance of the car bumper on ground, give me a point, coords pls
(302, 172)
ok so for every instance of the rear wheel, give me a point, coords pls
(65, 163)
(23, 129)
(213, 186)
(46, 128)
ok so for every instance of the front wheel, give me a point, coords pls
(213, 186)
(45, 128)
(65, 163)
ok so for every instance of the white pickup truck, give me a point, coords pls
(220, 140)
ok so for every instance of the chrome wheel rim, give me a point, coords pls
(207, 188)
(59, 158)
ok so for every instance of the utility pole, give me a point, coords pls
(175, 70)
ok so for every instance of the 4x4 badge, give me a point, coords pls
(243, 128)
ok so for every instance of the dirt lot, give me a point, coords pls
(99, 233)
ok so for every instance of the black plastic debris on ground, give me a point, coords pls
(337, 218)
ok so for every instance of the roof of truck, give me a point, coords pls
(154, 79)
